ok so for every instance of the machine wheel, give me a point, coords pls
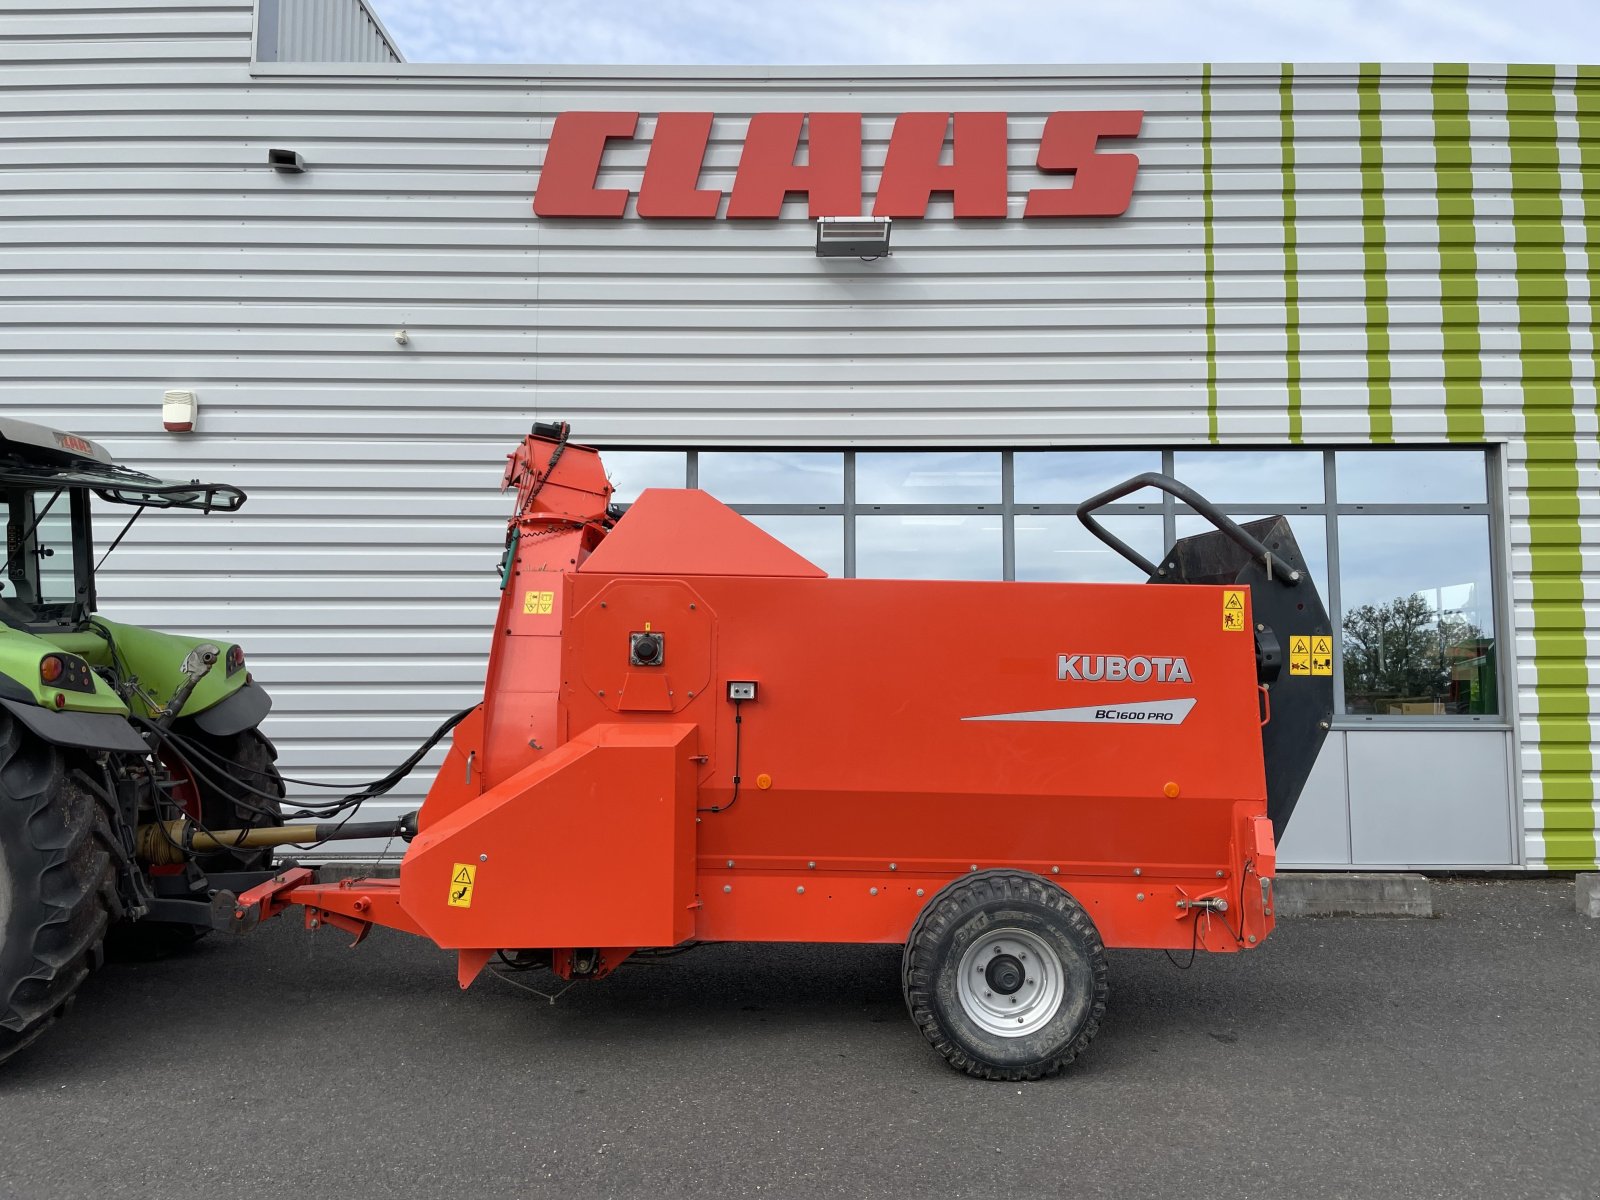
(251, 760)
(1005, 975)
(58, 884)
(246, 758)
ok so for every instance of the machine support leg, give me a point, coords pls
(469, 963)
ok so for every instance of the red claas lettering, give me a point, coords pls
(1102, 184)
(572, 164)
(975, 177)
(915, 169)
(830, 180)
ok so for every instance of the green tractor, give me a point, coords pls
(125, 753)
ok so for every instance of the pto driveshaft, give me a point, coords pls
(162, 843)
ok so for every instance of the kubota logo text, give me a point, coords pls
(1115, 667)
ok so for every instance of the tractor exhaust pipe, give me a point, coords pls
(166, 843)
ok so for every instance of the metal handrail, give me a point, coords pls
(1230, 528)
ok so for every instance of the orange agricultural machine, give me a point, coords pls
(690, 734)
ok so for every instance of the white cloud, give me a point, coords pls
(945, 32)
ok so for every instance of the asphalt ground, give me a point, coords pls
(1455, 1057)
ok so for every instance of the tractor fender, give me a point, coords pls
(87, 731)
(244, 709)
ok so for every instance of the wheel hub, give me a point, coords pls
(1004, 974)
(1011, 982)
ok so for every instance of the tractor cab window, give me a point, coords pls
(39, 584)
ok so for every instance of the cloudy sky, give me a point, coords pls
(812, 32)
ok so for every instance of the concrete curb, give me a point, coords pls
(1352, 894)
(1586, 888)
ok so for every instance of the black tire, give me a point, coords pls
(987, 925)
(245, 764)
(58, 884)
(224, 772)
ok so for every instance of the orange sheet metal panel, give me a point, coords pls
(903, 733)
(919, 729)
(593, 845)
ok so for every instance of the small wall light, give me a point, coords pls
(853, 237)
(286, 162)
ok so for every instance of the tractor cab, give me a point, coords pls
(46, 480)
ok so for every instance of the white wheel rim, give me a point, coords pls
(999, 958)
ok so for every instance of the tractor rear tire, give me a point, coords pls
(1005, 975)
(58, 884)
(246, 759)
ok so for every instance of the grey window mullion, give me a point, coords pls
(1503, 609)
(927, 510)
(1070, 510)
(1335, 612)
(691, 467)
(1008, 517)
(1169, 502)
(849, 514)
(789, 510)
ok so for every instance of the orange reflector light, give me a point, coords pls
(1171, 790)
(50, 668)
(61, 699)
(763, 781)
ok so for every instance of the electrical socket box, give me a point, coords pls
(741, 690)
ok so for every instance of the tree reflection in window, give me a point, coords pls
(1406, 657)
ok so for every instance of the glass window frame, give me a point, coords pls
(1328, 511)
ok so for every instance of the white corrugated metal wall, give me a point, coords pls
(148, 247)
(321, 31)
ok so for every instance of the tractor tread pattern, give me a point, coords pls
(920, 963)
(61, 866)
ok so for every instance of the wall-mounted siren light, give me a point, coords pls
(286, 162)
(180, 412)
(852, 237)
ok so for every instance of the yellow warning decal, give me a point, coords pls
(1322, 655)
(1300, 655)
(539, 603)
(461, 881)
(1233, 609)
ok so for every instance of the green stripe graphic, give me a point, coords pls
(1555, 537)
(1588, 113)
(1588, 106)
(1458, 255)
(1211, 254)
(1380, 395)
(1291, 255)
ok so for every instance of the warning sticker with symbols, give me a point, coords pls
(1300, 655)
(1322, 655)
(462, 878)
(541, 603)
(1233, 609)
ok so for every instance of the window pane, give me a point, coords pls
(928, 547)
(631, 471)
(53, 537)
(1410, 476)
(1072, 476)
(821, 539)
(939, 478)
(1265, 477)
(1060, 548)
(1418, 627)
(773, 477)
(1310, 534)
